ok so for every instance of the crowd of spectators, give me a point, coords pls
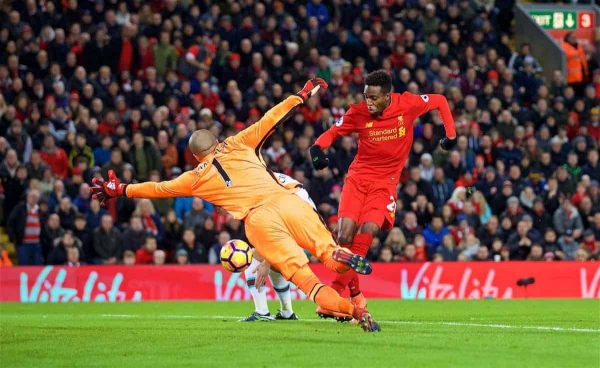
(87, 86)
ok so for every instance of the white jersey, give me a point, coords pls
(293, 184)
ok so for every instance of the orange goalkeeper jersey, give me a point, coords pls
(237, 178)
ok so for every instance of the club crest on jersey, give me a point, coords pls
(111, 185)
(391, 207)
(401, 128)
(401, 131)
(369, 124)
(425, 98)
(339, 122)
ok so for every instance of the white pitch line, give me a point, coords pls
(433, 323)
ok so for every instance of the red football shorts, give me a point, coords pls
(368, 200)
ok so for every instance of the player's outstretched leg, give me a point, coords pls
(261, 308)
(329, 299)
(355, 261)
(282, 287)
(360, 245)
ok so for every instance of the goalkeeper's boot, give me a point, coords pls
(359, 301)
(365, 320)
(280, 317)
(357, 262)
(258, 317)
(326, 313)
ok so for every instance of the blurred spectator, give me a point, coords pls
(128, 258)
(50, 234)
(568, 245)
(135, 235)
(181, 257)
(196, 216)
(84, 235)
(159, 257)
(577, 65)
(13, 179)
(55, 157)
(195, 252)
(567, 218)
(151, 221)
(107, 241)
(67, 213)
(145, 254)
(145, 157)
(59, 254)
(73, 255)
(434, 234)
(24, 229)
(482, 254)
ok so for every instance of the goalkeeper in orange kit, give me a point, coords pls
(232, 174)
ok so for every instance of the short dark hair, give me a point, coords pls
(379, 78)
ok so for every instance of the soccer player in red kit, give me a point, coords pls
(384, 123)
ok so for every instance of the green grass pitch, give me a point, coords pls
(483, 333)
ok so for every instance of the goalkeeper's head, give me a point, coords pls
(202, 143)
(378, 86)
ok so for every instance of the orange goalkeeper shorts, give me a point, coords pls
(283, 226)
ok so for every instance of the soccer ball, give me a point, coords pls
(236, 255)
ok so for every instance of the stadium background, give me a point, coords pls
(89, 86)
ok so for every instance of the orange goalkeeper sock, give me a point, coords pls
(320, 293)
(327, 298)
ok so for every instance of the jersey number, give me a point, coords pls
(223, 173)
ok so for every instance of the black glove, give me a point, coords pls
(319, 159)
(447, 143)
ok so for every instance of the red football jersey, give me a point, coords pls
(384, 142)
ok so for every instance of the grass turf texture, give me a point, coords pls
(486, 333)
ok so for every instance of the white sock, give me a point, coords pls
(259, 297)
(282, 287)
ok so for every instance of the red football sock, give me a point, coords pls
(360, 245)
(354, 285)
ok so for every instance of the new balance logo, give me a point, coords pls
(111, 185)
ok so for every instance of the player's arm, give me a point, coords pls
(182, 186)
(255, 135)
(262, 271)
(425, 103)
(341, 127)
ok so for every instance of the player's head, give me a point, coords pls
(202, 143)
(378, 86)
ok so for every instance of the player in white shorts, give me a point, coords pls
(258, 270)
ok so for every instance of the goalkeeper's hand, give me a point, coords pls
(318, 158)
(311, 87)
(448, 143)
(104, 190)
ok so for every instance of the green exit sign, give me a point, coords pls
(554, 19)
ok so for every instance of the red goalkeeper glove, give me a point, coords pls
(104, 190)
(311, 87)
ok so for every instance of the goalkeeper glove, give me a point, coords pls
(319, 159)
(448, 143)
(104, 190)
(311, 87)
